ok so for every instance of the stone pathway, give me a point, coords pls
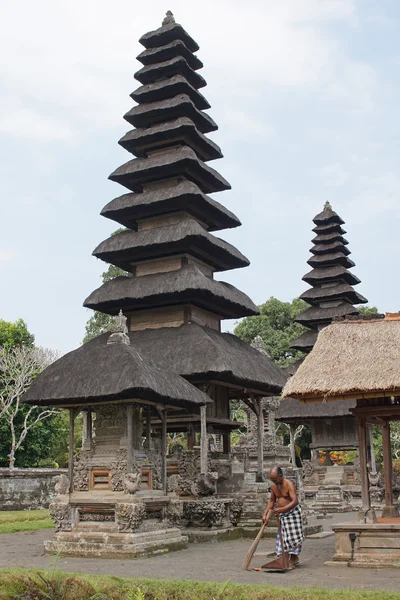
(218, 561)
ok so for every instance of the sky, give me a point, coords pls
(306, 96)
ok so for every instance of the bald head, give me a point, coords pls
(276, 475)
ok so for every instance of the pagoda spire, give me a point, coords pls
(331, 293)
(168, 250)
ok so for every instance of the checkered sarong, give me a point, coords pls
(292, 531)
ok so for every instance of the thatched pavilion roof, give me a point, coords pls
(110, 372)
(351, 359)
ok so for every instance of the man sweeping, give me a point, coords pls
(286, 506)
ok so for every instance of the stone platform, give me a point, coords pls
(376, 545)
(112, 544)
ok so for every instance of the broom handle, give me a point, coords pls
(254, 545)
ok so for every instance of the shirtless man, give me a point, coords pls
(285, 504)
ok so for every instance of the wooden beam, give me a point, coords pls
(387, 463)
(371, 448)
(163, 417)
(203, 440)
(129, 436)
(71, 449)
(362, 442)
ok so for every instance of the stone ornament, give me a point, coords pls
(131, 483)
(235, 511)
(82, 470)
(60, 513)
(62, 485)
(120, 330)
(205, 513)
(129, 516)
(205, 484)
(174, 513)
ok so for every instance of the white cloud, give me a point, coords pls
(25, 123)
(7, 255)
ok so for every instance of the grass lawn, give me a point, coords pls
(29, 584)
(12, 521)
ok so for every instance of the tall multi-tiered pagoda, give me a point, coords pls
(330, 296)
(173, 303)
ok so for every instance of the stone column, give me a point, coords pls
(129, 436)
(148, 428)
(87, 430)
(203, 440)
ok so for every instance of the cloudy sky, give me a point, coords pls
(306, 94)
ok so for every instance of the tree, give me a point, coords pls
(277, 329)
(18, 367)
(15, 334)
(368, 310)
(99, 322)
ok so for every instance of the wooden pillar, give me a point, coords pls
(203, 440)
(292, 429)
(163, 416)
(390, 510)
(148, 428)
(129, 436)
(362, 442)
(226, 441)
(260, 440)
(71, 448)
(371, 449)
(191, 439)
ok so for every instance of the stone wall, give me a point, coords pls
(22, 489)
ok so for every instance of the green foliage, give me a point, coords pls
(41, 585)
(99, 322)
(15, 334)
(277, 329)
(368, 310)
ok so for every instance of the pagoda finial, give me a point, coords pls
(119, 330)
(327, 206)
(169, 18)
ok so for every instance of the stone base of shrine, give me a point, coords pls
(103, 544)
(222, 534)
(376, 545)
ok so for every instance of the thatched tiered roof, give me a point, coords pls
(351, 359)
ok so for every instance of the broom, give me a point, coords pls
(253, 547)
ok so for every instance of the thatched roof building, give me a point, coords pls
(351, 359)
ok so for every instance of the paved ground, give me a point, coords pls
(217, 561)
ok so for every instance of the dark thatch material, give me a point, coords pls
(145, 115)
(330, 260)
(168, 88)
(186, 236)
(169, 68)
(324, 314)
(350, 359)
(109, 372)
(292, 410)
(200, 354)
(341, 290)
(329, 228)
(167, 34)
(140, 141)
(328, 216)
(163, 53)
(336, 246)
(187, 284)
(326, 238)
(330, 274)
(183, 196)
(173, 162)
(305, 342)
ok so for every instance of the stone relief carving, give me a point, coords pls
(173, 483)
(118, 470)
(235, 510)
(62, 485)
(129, 516)
(93, 516)
(82, 470)
(110, 416)
(189, 469)
(205, 513)
(131, 482)
(205, 484)
(155, 460)
(309, 475)
(174, 513)
(60, 513)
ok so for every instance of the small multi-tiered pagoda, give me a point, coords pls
(173, 303)
(330, 296)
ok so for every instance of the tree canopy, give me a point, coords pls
(15, 334)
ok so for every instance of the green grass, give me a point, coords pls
(12, 521)
(27, 584)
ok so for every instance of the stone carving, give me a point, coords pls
(205, 513)
(118, 470)
(110, 415)
(60, 513)
(189, 469)
(310, 476)
(62, 485)
(168, 19)
(81, 471)
(120, 330)
(155, 460)
(205, 484)
(235, 511)
(173, 483)
(357, 473)
(131, 482)
(93, 516)
(174, 513)
(129, 516)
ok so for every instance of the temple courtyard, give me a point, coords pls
(218, 562)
